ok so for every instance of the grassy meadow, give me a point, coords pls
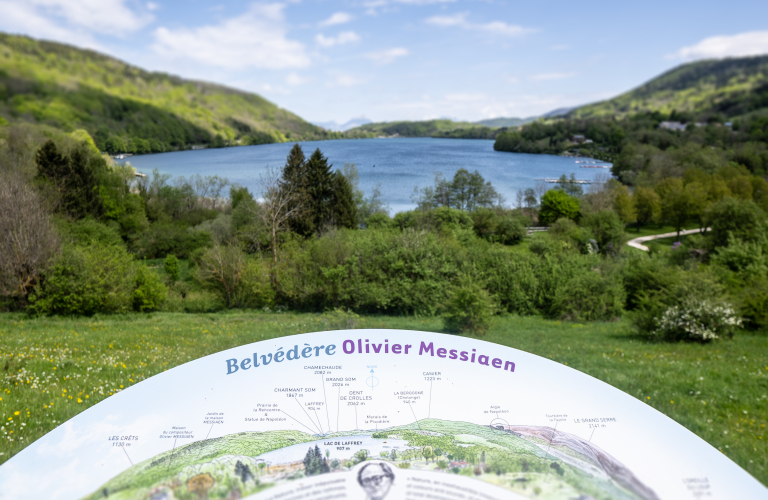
(54, 368)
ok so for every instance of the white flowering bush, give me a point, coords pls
(694, 319)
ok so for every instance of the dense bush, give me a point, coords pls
(87, 280)
(91, 232)
(468, 309)
(240, 280)
(162, 239)
(607, 230)
(556, 204)
(743, 220)
(676, 291)
(590, 295)
(696, 319)
(149, 292)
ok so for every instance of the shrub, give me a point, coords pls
(607, 230)
(469, 309)
(162, 239)
(378, 220)
(696, 319)
(699, 283)
(510, 231)
(590, 295)
(171, 266)
(744, 220)
(149, 292)
(568, 232)
(87, 280)
(91, 232)
(754, 304)
(747, 259)
(556, 204)
(240, 280)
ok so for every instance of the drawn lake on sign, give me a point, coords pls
(297, 452)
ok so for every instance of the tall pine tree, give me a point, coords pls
(325, 197)
(343, 205)
(319, 186)
(73, 178)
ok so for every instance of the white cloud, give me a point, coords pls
(465, 97)
(341, 39)
(256, 39)
(495, 27)
(751, 43)
(152, 6)
(337, 18)
(295, 80)
(344, 81)
(560, 47)
(70, 21)
(387, 56)
(551, 76)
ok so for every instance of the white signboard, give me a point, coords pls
(373, 414)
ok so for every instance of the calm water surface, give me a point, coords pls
(399, 165)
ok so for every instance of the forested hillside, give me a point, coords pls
(732, 87)
(428, 128)
(128, 109)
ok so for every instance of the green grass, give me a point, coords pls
(652, 229)
(718, 391)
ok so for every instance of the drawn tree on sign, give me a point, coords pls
(200, 485)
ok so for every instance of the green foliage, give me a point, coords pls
(466, 192)
(171, 266)
(165, 238)
(469, 309)
(556, 204)
(428, 128)
(510, 231)
(129, 110)
(607, 230)
(73, 177)
(343, 207)
(239, 194)
(730, 217)
(666, 293)
(590, 295)
(733, 86)
(149, 292)
(87, 280)
(696, 319)
(239, 280)
(88, 231)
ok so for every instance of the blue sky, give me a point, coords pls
(405, 59)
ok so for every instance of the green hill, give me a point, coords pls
(731, 87)
(128, 109)
(427, 128)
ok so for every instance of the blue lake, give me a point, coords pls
(400, 165)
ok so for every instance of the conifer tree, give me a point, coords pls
(343, 206)
(72, 177)
(319, 188)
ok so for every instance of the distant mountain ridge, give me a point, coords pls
(343, 127)
(732, 87)
(58, 85)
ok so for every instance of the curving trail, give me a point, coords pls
(638, 242)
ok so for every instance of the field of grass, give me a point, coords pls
(54, 368)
